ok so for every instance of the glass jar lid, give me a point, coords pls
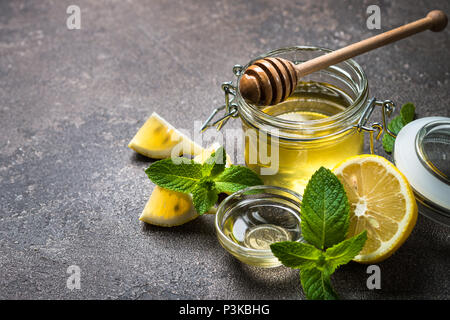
(422, 153)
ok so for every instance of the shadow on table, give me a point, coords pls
(417, 270)
(266, 283)
(137, 158)
(203, 225)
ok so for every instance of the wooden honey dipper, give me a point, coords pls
(271, 80)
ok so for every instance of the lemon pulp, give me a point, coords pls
(381, 202)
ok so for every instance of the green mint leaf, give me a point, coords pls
(181, 175)
(236, 178)
(395, 126)
(296, 254)
(203, 199)
(344, 251)
(316, 284)
(407, 113)
(206, 183)
(215, 164)
(388, 143)
(397, 123)
(324, 210)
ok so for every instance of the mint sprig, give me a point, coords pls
(407, 113)
(203, 181)
(325, 216)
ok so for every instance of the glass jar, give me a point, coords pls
(321, 124)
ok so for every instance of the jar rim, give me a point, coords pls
(322, 124)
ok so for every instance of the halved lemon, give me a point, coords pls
(158, 139)
(167, 208)
(381, 202)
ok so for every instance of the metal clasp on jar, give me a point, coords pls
(387, 107)
(231, 110)
(230, 106)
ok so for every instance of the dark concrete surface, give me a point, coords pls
(70, 100)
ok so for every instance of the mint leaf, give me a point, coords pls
(203, 181)
(206, 183)
(215, 164)
(324, 210)
(181, 176)
(395, 126)
(344, 251)
(236, 178)
(204, 199)
(397, 123)
(407, 112)
(317, 285)
(388, 143)
(296, 254)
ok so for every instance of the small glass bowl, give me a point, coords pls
(249, 220)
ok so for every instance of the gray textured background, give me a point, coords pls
(71, 191)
